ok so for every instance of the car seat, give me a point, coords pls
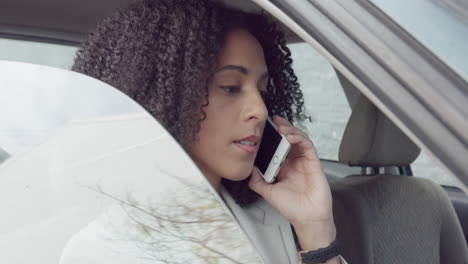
(384, 215)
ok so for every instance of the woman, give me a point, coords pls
(211, 76)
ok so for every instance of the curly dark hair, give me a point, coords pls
(161, 53)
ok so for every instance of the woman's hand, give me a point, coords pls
(302, 194)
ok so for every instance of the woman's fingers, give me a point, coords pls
(301, 146)
(285, 130)
(285, 127)
(281, 120)
(259, 185)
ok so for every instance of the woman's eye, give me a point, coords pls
(231, 89)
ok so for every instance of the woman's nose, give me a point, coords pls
(256, 108)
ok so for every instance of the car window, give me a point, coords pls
(426, 167)
(41, 107)
(324, 98)
(55, 55)
(327, 105)
(110, 186)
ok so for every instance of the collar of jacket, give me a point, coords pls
(268, 231)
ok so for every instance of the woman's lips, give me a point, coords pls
(247, 148)
(248, 144)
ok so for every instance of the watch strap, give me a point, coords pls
(320, 255)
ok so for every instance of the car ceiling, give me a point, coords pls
(69, 21)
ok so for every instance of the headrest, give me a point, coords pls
(370, 138)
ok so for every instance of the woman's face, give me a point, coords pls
(229, 137)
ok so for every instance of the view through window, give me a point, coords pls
(327, 105)
(325, 100)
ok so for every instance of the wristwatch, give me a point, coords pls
(320, 255)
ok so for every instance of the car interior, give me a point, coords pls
(381, 210)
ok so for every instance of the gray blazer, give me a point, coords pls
(269, 232)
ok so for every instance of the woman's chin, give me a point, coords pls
(239, 176)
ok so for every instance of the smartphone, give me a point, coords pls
(272, 151)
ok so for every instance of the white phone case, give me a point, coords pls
(278, 158)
